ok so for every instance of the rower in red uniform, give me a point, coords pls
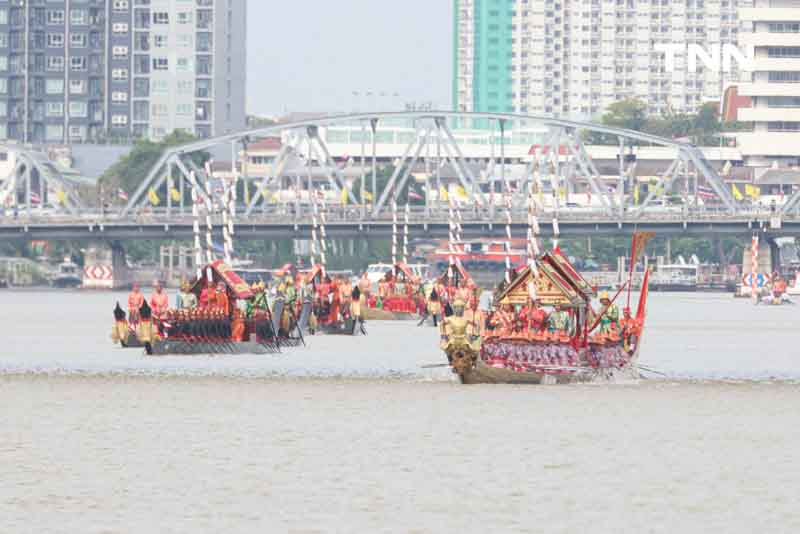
(207, 296)
(537, 317)
(159, 301)
(135, 301)
(221, 300)
(365, 286)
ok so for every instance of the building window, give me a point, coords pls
(783, 51)
(120, 27)
(77, 63)
(160, 110)
(55, 109)
(55, 40)
(55, 63)
(184, 64)
(55, 16)
(77, 132)
(54, 132)
(77, 87)
(184, 109)
(160, 17)
(783, 126)
(78, 16)
(185, 87)
(141, 111)
(160, 86)
(54, 86)
(184, 17)
(141, 87)
(78, 40)
(3, 86)
(78, 110)
(783, 101)
(782, 76)
(120, 52)
(119, 96)
(119, 120)
(161, 41)
(120, 5)
(119, 74)
(784, 27)
(160, 63)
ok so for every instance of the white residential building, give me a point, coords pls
(572, 58)
(774, 31)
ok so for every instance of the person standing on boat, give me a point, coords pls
(631, 328)
(221, 300)
(207, 296)
(559, 321)
(188, 300)
(159, 301)
(135, 301)
(537, 317)
(365, 286)
(434, 307)
(609, 322)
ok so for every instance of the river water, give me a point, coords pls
(352, 435)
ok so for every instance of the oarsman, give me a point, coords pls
(159, 301)
(503, 318)
(609, 322)
(188, 300)
(135, 301)
(434, 307)
(631, 328)
(221, 301)
(537, 317)
(355, 304)
(474, 317)
(365, 286)
(559, 321)
(207, 295)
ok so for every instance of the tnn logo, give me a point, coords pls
(720, 59)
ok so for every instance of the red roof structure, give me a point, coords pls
(222, 272)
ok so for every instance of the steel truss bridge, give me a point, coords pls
(556, 167)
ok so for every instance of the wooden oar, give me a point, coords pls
(434, 365)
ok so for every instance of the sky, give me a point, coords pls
(312, 55)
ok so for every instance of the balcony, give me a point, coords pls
(768, 143)
(769, 14)
(762, 114)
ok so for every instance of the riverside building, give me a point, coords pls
(91, 70)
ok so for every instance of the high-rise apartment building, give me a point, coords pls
(83, 70)
(572, 58)
(773, 29)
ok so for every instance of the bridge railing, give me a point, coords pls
(338, 214)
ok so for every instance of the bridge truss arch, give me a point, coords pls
(478, 149)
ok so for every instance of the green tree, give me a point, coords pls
(132, 168)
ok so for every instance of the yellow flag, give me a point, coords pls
(275, 198)
(175, 194)
(752, 191)
(461, 193)
(153, 197)
(368, 196)
(62, 197)
(343, 196)
(736, 193)
(636, 194)
(246, 193)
